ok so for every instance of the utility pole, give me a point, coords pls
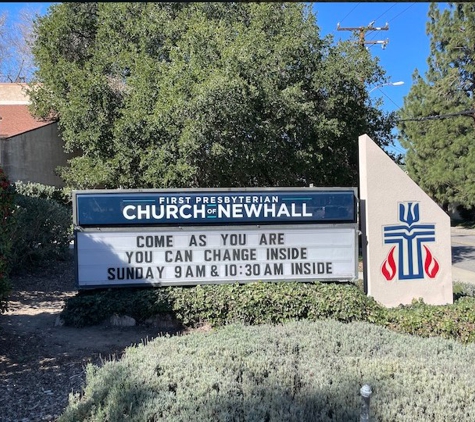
(362, 30)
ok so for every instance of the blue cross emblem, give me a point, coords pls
(409, 238)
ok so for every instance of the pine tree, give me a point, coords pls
(437, 120)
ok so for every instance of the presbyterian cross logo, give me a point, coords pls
(414, 258)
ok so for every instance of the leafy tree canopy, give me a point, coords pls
(160, 95)
(437, 120)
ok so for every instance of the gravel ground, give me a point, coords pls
(34, 379)
(41, 363)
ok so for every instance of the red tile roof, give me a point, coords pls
(16, 119)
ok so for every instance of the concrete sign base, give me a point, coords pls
(405, 234)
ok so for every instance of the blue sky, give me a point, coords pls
(14, 8)
(407, 48)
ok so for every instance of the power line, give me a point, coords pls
(349, 13)
(387, 10)
(470, 113)
(398, 149)
(382, 14)
(407, 8)
(386, 95)
(393, 18)
(399, 14)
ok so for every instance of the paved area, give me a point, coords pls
(463, 255)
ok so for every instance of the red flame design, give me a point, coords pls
(389, 266)
(431, 266)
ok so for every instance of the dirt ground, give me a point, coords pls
(41, 362)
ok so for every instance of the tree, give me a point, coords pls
(3, 42)
(162, 95)
(437, 120)
(16, 38)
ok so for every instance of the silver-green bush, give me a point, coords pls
(300, 371)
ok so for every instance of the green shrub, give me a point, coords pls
(261, 303)
(455, 321)
(252, 303)
(463, 289)
(7, 196)
(275, 303)
(37, 190)
(42, 231)
(92, 307)
(301, 371)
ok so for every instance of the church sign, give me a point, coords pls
(405, 234)
(167, 237)
(189, 237)
(212, 207)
